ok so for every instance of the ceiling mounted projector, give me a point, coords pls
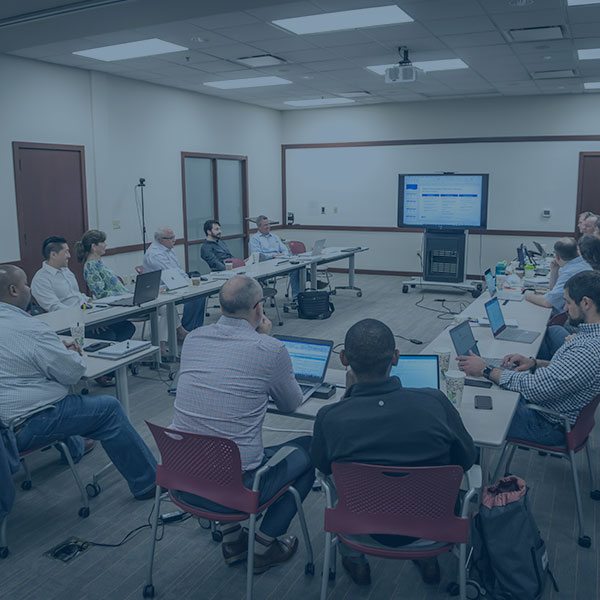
(404, 72)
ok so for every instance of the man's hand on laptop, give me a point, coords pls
(264, 326)
(472, 364)
(518, 362)
(73, 346)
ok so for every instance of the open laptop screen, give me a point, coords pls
(494, 313)
(418, 371)
(489, 280)
(463, 339)
(309, 357)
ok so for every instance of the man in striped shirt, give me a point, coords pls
(228, 371)
(564, 384)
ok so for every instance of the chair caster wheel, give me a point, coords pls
(92, 489)
(309, 569)
(134, 369)
(584, 541)
(84, 512)
(3, 552)
(26, 485)
(286, 309)
(217, 536)
(595, 495)
(333, 292)
(85, 392)
(171, 375)
(148, 591)
(453, 588)
(405, 289)
(359, 294)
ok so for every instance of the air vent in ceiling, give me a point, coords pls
(553, 74)
(535, 34)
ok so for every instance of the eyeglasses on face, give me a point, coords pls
(261, 301)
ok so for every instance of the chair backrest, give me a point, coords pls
(204, 465)
(237, 262)
(558, 319)
(584, 425)
(411, 501)
(296, 247)
(139, 269)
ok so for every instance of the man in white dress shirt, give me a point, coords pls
(37, 369)
(54, 287)
(161, 256)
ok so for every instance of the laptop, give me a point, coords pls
(123, 349)
(146, 289)
(514, 295)
(310, 358)
(499, 329)
(463, 340)
(418, 371)
(173, 279)
(316, 251)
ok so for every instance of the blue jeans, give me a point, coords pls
(193, 314)
(531, 426)
(553, 340)
(296, 467)
(99, 418)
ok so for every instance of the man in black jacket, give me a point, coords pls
(214, 250)
(380, 422)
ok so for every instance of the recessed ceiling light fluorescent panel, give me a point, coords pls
(138, 49)
(319, 102)
(346, 19)
(232, 84)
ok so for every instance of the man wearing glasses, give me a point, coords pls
(229, 370)
(161, 256)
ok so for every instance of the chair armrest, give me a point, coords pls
(327, 486)
(473, 477)
(280, 455)
(554, 413)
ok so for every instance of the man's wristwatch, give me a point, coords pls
(487, 371)
(534, 367)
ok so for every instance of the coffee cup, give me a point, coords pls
(443, 360)
(78, 333)
(455, 385)
(228, 265)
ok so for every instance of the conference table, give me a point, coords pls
(60, 321)
(488, 428)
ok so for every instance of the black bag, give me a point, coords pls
(508, 552)
(314, 305)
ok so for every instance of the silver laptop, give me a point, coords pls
(122, 349)
(499, 329)
(310, 358)
(146, 289)
(463, 340)
(418, 371)
(513, 295)
(174, 279)
(316, 251)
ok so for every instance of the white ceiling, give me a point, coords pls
(325, 64)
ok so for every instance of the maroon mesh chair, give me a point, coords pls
(211, 467)
(413, 501)
(237, 262)
(576, 439)
(558, 319)
(296, 247)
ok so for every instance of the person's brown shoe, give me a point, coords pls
(279, 551)
(360, 573)
(430, 570)
(105, 381)
(237, 551)
(88, 446)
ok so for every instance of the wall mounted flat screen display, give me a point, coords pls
(443, 200)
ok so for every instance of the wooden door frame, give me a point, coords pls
(579, 208)
(16, 147)
(215, 181)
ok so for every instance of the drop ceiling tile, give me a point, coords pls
(253, 33)
(181, 58)
(463, 25)
(47, 50)
(209, 39)
(543, 46)
(288, 44)
(220, 66)
(503, 6)
(338, 5)
(117, 37)
(359, 50)
(232, 50)
(286, 71)
(442, 9)
(285, 11)
(584, 14)
(176, 32)
(585, 43)
(303, 56)
(589, 68)
(337, 38)
(498, 74)
(584, 30)
(466, 40)
(398, 34)
(483, 53)
(327, 65)
(234, 19)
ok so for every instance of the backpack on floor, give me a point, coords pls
(508, 552)
(314, 304)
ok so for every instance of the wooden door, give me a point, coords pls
(588, 189)
(51, 200)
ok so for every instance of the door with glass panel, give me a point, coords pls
(214, 187)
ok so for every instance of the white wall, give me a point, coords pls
(551, 181)
(130, 129)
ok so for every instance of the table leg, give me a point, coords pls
(122, 388)
(351, 273)
(484, 461)
(313, 276)
(172, 325)
(302, 275)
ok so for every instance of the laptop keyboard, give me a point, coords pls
(305, 388)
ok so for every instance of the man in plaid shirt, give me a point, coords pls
(228, 372)
(564, 384)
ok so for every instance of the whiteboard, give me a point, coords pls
(358, 185)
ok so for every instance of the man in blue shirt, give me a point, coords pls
(566, 263)
(271, 246)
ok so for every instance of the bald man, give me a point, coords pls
(228, 372)
(36, 370)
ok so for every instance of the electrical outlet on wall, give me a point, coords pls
(116, 224)
(322, 210)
